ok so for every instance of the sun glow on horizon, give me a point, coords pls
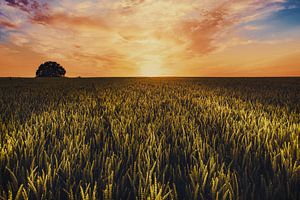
(151, 66)
(150, 72)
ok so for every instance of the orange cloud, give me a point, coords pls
(203, 32)
(7, 24)
(70, 20)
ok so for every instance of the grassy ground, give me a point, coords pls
(150, 138)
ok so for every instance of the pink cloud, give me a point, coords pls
(29, 6)
(41, 13)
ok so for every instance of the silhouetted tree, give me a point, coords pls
(50, 69)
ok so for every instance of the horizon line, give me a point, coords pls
(90, 77)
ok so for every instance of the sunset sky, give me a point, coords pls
(151, 37)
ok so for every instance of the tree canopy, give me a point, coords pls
(50, 69)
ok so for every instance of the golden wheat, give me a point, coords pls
(156, 138)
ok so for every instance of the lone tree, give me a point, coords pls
(50, 69)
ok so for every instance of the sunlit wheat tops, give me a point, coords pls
(150, 139)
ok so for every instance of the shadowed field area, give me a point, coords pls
(150, 138)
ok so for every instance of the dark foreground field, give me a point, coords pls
(155, 138)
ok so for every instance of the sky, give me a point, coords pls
(95, 38)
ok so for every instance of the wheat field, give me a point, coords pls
(150, 138)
